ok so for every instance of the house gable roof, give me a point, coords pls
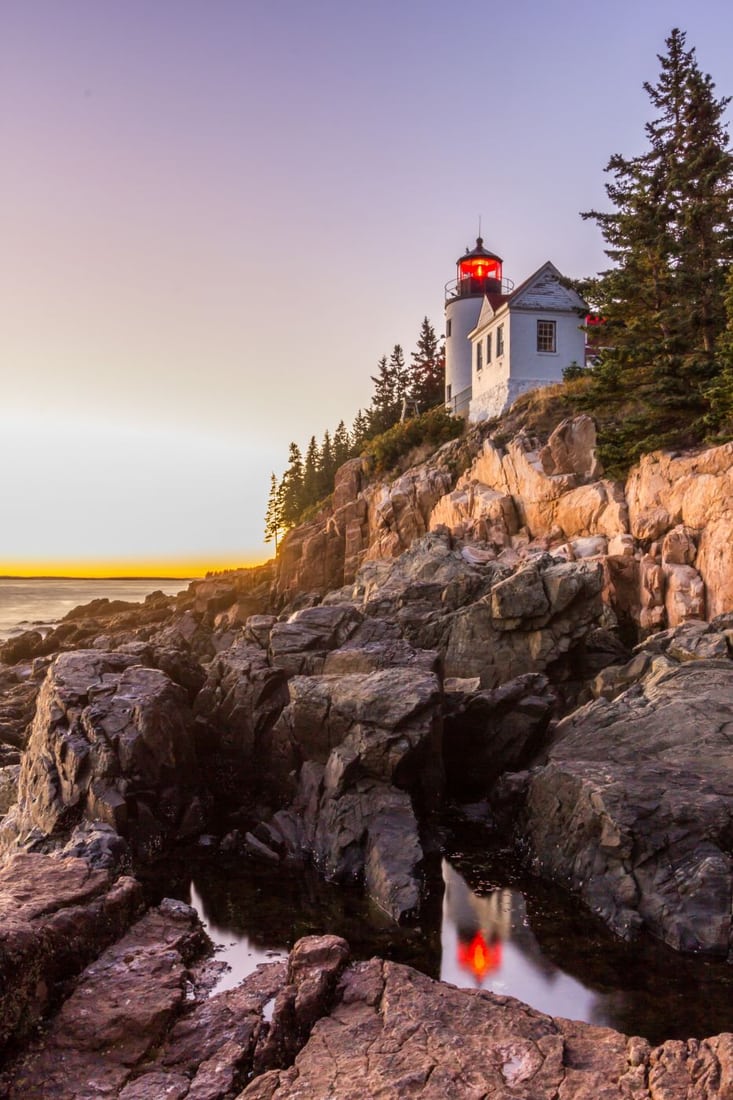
(491, 305)
(544, 290)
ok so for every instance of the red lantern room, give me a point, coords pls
(479, 271)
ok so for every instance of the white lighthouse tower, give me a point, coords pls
(479, 273)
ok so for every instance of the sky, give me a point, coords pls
(217, 215)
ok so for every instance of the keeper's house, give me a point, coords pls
(501, 341)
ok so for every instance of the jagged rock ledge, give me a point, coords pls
(318, 1025)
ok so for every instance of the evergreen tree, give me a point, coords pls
(272, 516)
(720, 392)
(400, 382)
(326, 467)
(311, 484)
(341, 445)
(383, 399)
(359, 433)
(670, 237)
(427, 374)
(291, 488)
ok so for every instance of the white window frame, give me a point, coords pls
(479, 355)
(499, 341)
(546, 337)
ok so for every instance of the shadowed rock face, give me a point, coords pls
(110, 741)
(634, 807)
(138, 1024)
(56, 914)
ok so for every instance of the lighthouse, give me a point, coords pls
(502, 341)
(478, 274)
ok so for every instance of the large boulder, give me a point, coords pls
(383, 725)
(395, 1033)
(56, 914)
(300, 644)
(110, 740)
(241, 700)
(119, 1011)
(356, 751)
(526, 622)
(634, 808)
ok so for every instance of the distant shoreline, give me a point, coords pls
(61, 577)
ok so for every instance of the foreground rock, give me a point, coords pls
(138, 1025)
(395, 1033)
(634, 808)
(56, 914)
(110, 741)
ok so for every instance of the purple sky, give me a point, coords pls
(216, 216)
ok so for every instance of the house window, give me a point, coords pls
(448, 391)
(499, 341)
(488, 347)
(448, 327)
(547, 336)
(479, 355)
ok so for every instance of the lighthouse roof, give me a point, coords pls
(477, 252)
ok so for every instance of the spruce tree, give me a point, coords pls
(720, 391)
(381, 410)
(359, 433)
(670, 237)
(341, 445)
(400, 382)
(326, 468)
(311, 485)
(427, 373)
(273, 522)
(291, 488)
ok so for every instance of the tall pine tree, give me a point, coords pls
(381, 410)
(311, 482)
(341, 445)
(359, 433)
(326, 466)
(273, 522)
(291, 488)
(670, 237)
(401, 382)
(427, 373)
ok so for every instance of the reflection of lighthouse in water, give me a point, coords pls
(489, 938)
(481, 924)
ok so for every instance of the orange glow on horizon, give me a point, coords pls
(93, 568)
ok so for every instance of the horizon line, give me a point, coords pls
(193, 568)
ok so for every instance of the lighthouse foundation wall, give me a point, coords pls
(496, 399)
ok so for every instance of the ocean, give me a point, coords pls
(41, 602)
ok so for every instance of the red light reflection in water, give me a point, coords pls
(479, 957)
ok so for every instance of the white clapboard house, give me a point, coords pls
(502, 340)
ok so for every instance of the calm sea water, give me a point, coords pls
(41, 602)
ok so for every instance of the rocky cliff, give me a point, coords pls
(466, 630)
(663, 538)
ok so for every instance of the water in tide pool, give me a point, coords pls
(486, 924)
(38, 603)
